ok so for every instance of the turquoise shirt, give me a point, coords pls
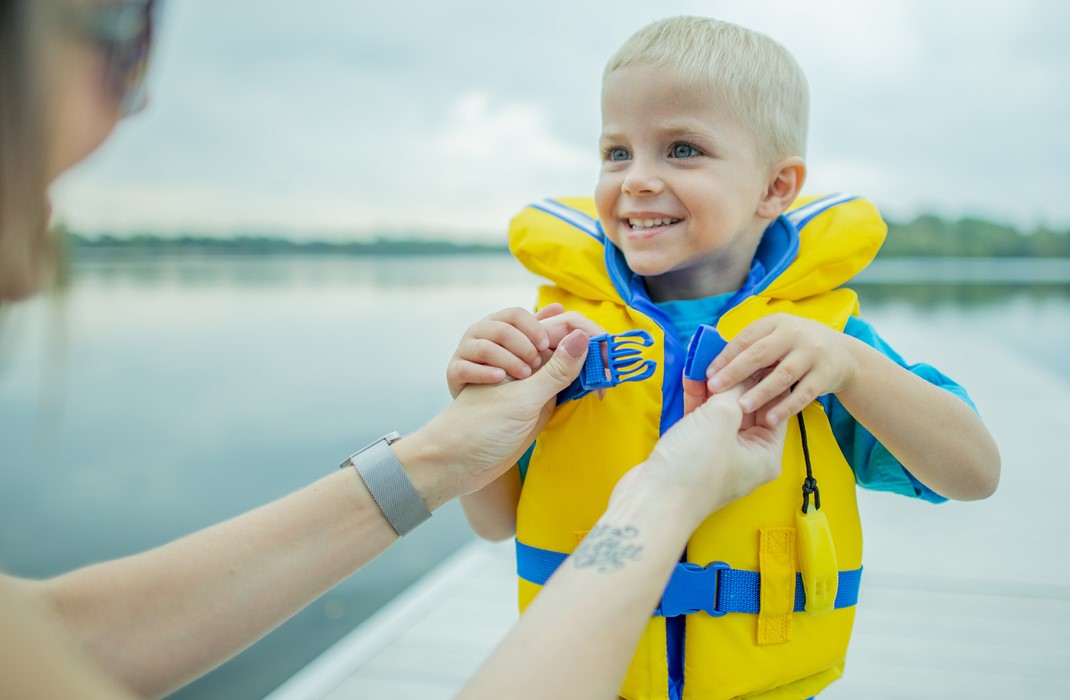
(874, 466)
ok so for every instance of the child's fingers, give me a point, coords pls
(462, 373)
(788, 404)
(548, 311)
(482, 351)
(743, 340)
(779, 379)
(525, 322)
(763, 353)
(560, 325)
(509, 337)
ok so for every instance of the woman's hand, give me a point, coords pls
(487, 427)
(714, 455)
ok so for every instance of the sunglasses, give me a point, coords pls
(124, 32)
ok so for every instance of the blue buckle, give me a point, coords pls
(623, 362)
(706, 344)
(692, 588)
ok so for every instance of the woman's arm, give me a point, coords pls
(157, 620)
(578, 636)
(37, 661)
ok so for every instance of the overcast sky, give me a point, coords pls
(333, 118)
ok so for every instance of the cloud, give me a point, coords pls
(336, 118)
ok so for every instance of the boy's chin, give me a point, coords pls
(645, 267)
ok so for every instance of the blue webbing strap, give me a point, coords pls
(689, 589)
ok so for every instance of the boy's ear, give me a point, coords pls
(784, 186)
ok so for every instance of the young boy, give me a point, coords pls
(703, 138)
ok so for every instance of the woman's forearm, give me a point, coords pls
(604, 595)
(157, 620)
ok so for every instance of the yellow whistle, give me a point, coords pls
(817, 559)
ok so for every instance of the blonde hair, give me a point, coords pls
(759, 79)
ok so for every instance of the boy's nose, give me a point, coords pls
(641, 179)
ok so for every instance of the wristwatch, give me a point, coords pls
(388, 484)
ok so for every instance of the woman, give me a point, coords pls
(146, 624)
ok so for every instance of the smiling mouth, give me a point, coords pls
(640, 224)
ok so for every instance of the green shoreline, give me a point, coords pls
(925, 236)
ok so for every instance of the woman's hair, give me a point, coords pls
(26, 250)
(758, 78)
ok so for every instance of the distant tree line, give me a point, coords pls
(968, 238)
(925, 236)
(273, 245)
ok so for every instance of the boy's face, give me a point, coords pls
(680, 185)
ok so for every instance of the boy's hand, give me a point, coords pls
(796, 360)
(512, 343)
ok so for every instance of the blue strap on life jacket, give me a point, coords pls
(622, 362)
(716, 589)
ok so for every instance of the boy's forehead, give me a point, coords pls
(649, 83)
(643, 94)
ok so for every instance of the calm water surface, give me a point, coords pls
(161, 396)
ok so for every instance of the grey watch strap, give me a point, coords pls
(389, 485)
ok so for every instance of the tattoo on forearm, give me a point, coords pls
(607, 548)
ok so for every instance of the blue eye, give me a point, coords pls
(617, 154)
(684, 150)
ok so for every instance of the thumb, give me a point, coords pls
(695, 394)
(563, 366)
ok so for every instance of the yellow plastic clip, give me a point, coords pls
(817, 560)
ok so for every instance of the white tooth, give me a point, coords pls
(648, 223)
(660, 222)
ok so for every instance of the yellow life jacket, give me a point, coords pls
(744, 558)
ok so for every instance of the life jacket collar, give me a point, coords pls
(776, 251)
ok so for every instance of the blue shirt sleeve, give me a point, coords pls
(874, 466)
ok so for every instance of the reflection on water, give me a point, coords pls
(192, 389)
(963, 295)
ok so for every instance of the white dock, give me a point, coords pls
(962, 600)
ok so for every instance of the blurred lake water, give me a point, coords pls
(162, 395)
